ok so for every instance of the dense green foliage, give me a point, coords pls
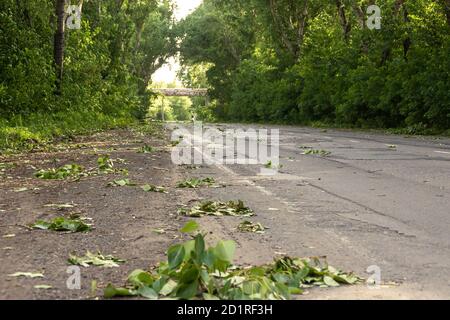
(317, 61)
(291, 61)
(108, 63)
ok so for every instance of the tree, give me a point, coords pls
(59, 42)
(307, 61)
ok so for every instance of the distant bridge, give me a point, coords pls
(182, 92)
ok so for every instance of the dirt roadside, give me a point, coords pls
(123, 217)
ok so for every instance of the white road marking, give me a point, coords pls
(354, 141)
(234, 174)
(443, 152)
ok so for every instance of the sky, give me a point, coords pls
(167, 73)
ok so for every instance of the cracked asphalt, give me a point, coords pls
(375, 200)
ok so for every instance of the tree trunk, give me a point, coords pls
(290, 26)
(59, 44)
(398, 6)
(346, 26)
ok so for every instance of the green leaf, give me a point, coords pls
(147, 292)
(190, 227)
(189, 247)
(208, 296)
(224, 250)
(62, 224)
(187, 291)
(199, 246)
(140, 278)
(248, 226)
(146, 149)
(189, 275)
(95, 260)
(195, 183)
(67, 171)
(168, 288)
(160, 283)
(330, 282)
(111, 292)
(41, 225)
(295, 290)
(176, 256)
(27, 274)
(43, 286)
(153, 188)
(346, 278)
(217, 208)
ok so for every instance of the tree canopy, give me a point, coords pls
(93, 75)
(303, 61)
(289, 61)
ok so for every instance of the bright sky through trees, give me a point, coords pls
(167, 73)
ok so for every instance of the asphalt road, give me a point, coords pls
(375, 200)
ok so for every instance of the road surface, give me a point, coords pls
(375, 200)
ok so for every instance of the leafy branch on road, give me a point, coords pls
(105, 165)
(153, 188)
(68, 171)
(196, 183)
(97, 260)
(217, 208)
(322, 153)
(121, 183)
(146, 149)
(254, 227)
(195, 271)
(62, 224)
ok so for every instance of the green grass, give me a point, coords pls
(37, 130)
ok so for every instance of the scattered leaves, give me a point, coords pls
(146, 149)
(68, 171)
(27, 275)
(195, 271)
(322, 153)
(98, 260)
(217, 208)
(196, 182)
(43, 286)
(105, 164)
(153, 188)
(121, 183)
(59, 205)
(248, 226)
(190, 227)
(62, 224)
